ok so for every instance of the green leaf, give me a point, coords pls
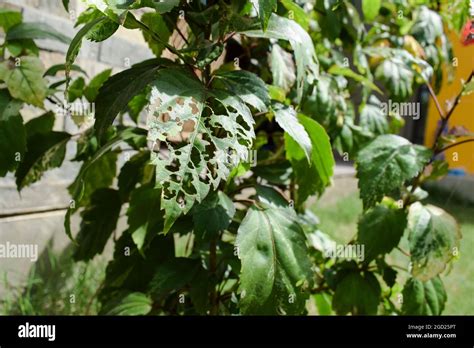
(323, 303)
(275, 264)
(428, 26)
(100, 173)
(380, 230)
(53, 70)
(45, 151)
(76, 89)
(130, 269)
(277, 173)
(199, 291)
(208, 54)
(84, 186)
(92, 89)
(321, 103)
(99, 220)
(12, 133)
(371, 8)
(119, 89)
(434, 240)
(320, 168)
(248, 86)
(9, 18)
(276, 93)
(270, 196)
(307, 64)
(76, 42)
(389, 276)
(35, 31)
(132, 173)
(201, 159)
(287, 119)
(87, 16)
(357, 293)
(347, 72)
(157, 25)
(164, 6)
(25, 81)
(265, 10)
(25, 47)
(102, 30)
(143, 213)
(372, 117)
(297, 13)
(282, 67)
(173, 275)
(397, 77)
(137, 104)
(125, 303)
(386, 164)
(41, 124)
(330, 20)
(468, 88)
(8, 106)
(66, 5)
(213, 215)
(424, 298)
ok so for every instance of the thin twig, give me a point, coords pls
(453, 145)
(182, 35)
(166, 44)
(403, 251)
(436, 101)
(458, 98)
(445, 119)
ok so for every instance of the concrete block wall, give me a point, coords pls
(36, 215)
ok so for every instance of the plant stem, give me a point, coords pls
(166, 44)
(444, 122)
(445, 119)
(453, 145)
(182, 35)
(458, 97)
(436, 101)
(403, 252)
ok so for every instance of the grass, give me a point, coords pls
(339, 220)
(56, 285)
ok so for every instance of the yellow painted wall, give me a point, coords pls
(464, 113)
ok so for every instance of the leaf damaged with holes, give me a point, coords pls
(192, 132)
